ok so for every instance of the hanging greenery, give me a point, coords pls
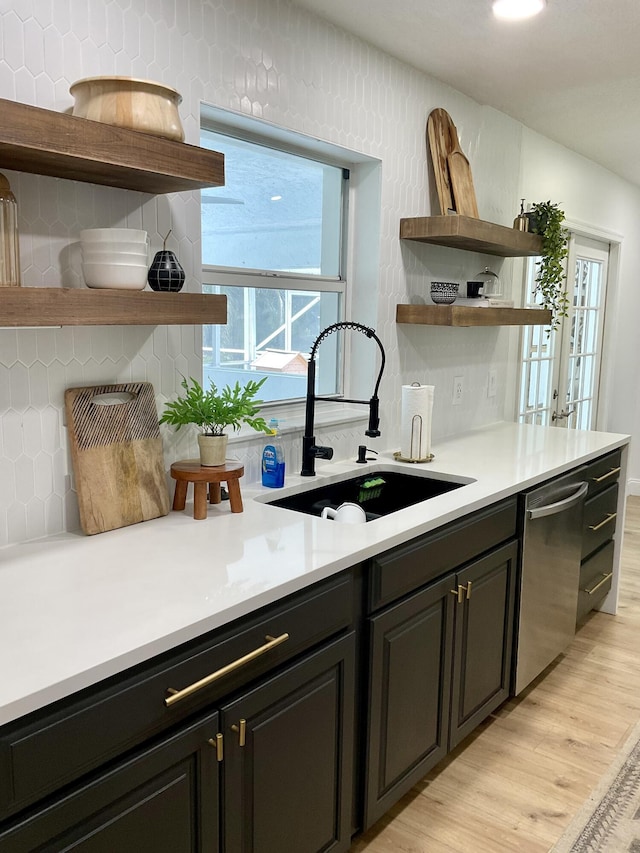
(546, 220)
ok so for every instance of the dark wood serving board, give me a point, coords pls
(117, 455)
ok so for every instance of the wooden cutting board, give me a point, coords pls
(439, 143)
(464, 194)
(117, 456)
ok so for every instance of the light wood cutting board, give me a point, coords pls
(464, 194)
(440, 146)
(117, 456)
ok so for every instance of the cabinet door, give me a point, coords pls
(165, 798)
(288, 761)
(409, 689)
(483, 640)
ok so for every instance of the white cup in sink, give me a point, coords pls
(347, 512)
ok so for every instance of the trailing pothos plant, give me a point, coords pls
(546, 220)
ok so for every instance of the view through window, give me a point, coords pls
(273, 241)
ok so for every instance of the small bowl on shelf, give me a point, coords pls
(114, 276)
(444, 292)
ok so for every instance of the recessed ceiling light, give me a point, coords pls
(514, 10)
(276, 198)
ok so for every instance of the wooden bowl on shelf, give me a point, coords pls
(142, 105)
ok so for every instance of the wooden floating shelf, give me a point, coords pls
(457, 315)
(58, 306)
(64, 146)
(472, 235)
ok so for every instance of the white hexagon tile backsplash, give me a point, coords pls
(269, 59)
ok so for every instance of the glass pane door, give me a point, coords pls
(560, 371)
(539, 366)
(582, 340)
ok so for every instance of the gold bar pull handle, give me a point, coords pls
(241, 729)
(218, 744)
(459, 592)
(611, 516)
(468, 590)
(607, 475)
(177, 695)
(603, 580)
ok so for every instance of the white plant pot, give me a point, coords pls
(213, 450)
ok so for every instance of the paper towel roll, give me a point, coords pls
(415, 421)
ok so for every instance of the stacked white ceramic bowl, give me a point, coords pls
(115, 258)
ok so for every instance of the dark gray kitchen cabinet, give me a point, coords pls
(259, 757)
(440, 658)
(163, 798)
(410, 678)
(287, 769)
(598, 533)
(483, 642)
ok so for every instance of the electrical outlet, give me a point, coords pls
(457, 390)
(492, 383)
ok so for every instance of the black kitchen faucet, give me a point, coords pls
(311, 451)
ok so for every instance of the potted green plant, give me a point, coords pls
(546, 220)
(213, 411)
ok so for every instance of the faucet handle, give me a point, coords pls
(321, 452)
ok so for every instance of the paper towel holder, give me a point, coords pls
(416, 424)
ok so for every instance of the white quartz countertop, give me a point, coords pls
(75, 609)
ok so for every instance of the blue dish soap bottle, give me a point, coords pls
(273, 460)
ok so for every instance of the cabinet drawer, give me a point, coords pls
(596, 575)
(408, 567)
(57, 745)
(602, 472)
(599, 520)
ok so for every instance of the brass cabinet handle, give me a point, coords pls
(605, 476)
(459, 592)
(218, 744)
(611, 516)
(242, 732)
(177, 695)
(602, 581)
(462, 591)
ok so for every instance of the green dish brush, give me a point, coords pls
(370, 489)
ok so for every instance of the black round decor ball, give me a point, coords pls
(166, 273)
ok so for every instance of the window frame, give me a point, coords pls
(362, 266)
(224, 276)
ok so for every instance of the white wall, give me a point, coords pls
(604, 205)
(271, 60)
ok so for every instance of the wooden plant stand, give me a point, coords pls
(191, 471)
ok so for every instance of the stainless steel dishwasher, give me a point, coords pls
(549, 580)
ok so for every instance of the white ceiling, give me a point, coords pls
(572, 73)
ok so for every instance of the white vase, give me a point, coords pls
(213, 450)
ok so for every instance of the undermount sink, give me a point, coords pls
(379, 493)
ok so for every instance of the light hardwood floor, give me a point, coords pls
(514, 785)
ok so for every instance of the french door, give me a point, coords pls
(560, 370)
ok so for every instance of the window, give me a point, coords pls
(560, 371)
(274, 241)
